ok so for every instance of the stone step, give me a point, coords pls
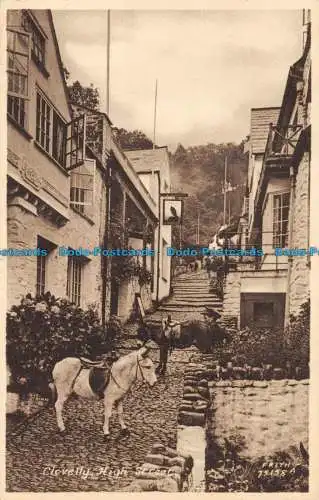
(195, 303)
(194, 286)
(179, 308)
(197, 296)
(192, 279)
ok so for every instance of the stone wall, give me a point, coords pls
(268, 416)
(24, 227)
(300, 271)
(231, 301)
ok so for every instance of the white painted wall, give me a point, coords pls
(162, 233)
(270, 283)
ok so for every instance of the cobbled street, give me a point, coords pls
(38, 451)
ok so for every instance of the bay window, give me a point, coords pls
(18, 61)
(82, 187)
(64, 142)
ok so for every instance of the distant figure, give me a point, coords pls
(196, 265)
(213, 267)
(164, 344)
(207, 266)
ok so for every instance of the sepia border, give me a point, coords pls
(314, 221)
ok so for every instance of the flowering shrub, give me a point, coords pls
(43, 330)
(297, 337)
(129, 267)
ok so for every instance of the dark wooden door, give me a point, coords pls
(114, 297)
(262, 310)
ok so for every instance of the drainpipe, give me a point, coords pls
(104, 260)
(290, 240)
(159, 235)
(308, 208)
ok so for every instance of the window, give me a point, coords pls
(263, 314)
(280, 220)
(43, 123)
(82, 187)
(165, 261)
(65, 142)
(42, 264)
(37, 38)
(246, 205)
(18, 59)
(245, 238)
(74, 279)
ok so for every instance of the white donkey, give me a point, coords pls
(71, 375)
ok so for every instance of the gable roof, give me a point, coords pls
(147, 160)
(259, 127)
(56, 44)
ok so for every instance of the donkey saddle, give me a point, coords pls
(99, 374)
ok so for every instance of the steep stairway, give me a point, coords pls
(190, 296)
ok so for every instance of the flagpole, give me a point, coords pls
(225, 180)
(108, 43)
(155, 111)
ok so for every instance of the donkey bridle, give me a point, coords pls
(138, 367)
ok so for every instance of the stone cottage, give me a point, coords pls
(70, 187)
(55, 194)
(276, 212)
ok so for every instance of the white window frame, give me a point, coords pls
(74, 279)
(41, 274)
(78, 194)
(73, 140)
(18, 97)
(280, 238)
(36, 33)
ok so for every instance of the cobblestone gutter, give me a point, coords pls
(192, 418)
(164, 469)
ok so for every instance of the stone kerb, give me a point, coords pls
(194, 405)
(164, 469)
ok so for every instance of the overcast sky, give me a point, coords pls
(211, 66)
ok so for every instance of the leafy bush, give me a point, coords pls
(256, 347)
(297, 337)
(43, 330)
(228, 471)
(129, 267)
(275, 346)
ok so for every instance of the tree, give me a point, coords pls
(132, 140)
(84, 96)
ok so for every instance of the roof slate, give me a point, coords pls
(259, 127)
(146, 160)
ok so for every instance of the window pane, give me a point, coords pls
(38, 41)
(58, 139)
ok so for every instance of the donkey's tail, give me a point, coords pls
(52, 393)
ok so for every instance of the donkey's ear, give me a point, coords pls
(304, 453)
(144, 350)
